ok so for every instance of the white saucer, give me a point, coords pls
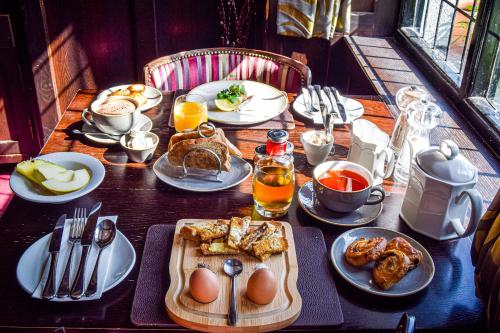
(153, 95)
(28, 190)
(145, 124)
(240, 170)
(361, 216)
(354, 109)
(32, 263)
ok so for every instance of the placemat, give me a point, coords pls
(320, 302)
(282, 121)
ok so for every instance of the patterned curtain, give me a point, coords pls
(313, 18)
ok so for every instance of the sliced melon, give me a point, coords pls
(48, 171)
(80, 179)
(29, 169)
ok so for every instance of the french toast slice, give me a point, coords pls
(263, 249)
(205, 231)
(210, 249)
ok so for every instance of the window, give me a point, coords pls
(462, 38)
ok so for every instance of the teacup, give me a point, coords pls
(115, 115)
(358, 186)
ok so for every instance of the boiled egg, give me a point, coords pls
(203, 285)
(262, 286)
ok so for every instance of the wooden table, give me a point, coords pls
(133, 191)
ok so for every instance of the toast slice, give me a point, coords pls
(237, 230)
(205, 231)
(264, 230)
(217, 249)
(263, 249)
(200, 159)
(218, 136)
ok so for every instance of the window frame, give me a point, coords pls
(476, 109)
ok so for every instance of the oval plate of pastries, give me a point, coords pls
(382, 262)
(147, 96)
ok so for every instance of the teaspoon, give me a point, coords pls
(104, 235)
(233, 267)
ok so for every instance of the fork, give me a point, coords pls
(75, 237)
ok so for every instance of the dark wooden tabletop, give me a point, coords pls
(141, 200)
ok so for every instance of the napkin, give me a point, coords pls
(102, 273)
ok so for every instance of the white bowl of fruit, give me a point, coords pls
(57, 177)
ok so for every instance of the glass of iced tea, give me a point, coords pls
(273, 185)
(189, 111)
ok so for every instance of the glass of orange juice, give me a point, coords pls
(273, 185)
(189, 111)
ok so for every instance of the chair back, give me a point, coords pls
(186, 70)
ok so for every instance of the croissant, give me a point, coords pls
(404, 246)
(363, 251)
(391, 268)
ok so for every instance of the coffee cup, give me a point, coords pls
(115, 115)
(344, 186)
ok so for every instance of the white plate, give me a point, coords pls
(240, 170)
(267, 102)
(153, 95)
(145, 124)
(28, 190)
(361, 277)
(354, 109)
(32, 263)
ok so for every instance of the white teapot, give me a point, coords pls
(435, 201)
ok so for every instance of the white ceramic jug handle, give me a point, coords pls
(449, 149)
(390, 156)
(476, 212)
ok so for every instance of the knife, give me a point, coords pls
(49, 291)
(77, 289)
(340, 106)
(311, 93)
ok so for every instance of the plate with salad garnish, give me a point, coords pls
(241, 102)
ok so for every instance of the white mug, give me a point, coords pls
(113, 124)
(370, 148)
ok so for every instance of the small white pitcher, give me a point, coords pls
(369, 148)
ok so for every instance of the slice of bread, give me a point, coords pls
(262, 249)
(200, 159)
(217, 248)
(205, 231)
(218, 136)
(237, 230)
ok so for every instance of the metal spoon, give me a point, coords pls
(233, 267)
(104, 235)
(109, 136)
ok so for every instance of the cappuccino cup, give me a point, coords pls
(344, 186)
(115, 115)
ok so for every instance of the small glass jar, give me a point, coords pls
(260, 151)
(276, 142)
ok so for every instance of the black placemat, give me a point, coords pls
(283, 121)
(320, 302)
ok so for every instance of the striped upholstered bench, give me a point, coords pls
(186, 70)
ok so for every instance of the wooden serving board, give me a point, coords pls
(212, 317)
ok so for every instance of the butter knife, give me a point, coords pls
(340, 106)
(77, 289)
(322, 105)
(49, 291)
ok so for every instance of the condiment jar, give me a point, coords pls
(435, 202)
(276, 142)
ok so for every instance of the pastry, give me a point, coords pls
(403, 245)
(237, 230)
(391, 268)
(200, 159)
(205, 231)
(363, 251)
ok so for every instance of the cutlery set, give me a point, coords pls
(330, 107)
(84, 231)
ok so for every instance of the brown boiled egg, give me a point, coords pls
(203, 285)
(262, 286)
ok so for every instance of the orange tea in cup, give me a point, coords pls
(343, 180)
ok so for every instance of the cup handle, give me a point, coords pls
(85, 119)
(380, 199)
(390, 157)
(476, 211)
